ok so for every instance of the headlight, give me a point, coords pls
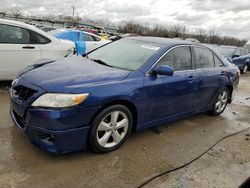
(55, 100)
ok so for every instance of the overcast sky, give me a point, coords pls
(227, 17)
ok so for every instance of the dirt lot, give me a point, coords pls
(144, 155)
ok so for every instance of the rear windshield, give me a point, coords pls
(128, 54)
(225, 51)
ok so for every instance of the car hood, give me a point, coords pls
(71, 73)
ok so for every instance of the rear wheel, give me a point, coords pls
(244, 70)
(220, 102)
(110, 128)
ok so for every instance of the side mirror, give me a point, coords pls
(235, 55)
(163, 70)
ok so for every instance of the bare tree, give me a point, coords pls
(3, 13)
(16, 12)
(175, 31)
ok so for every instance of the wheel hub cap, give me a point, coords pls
(112, 129)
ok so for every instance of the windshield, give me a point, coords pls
(247, 46)
(225, 51)
(128, 54)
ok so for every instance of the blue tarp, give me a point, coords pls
(76, 36)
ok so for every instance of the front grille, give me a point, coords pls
(22, 93)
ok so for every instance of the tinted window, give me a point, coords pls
(242, 51)
(38, 39)
(14, 35)
(237, 52)
(88, 37)
(225, 50)
(204, 58)
(218, 62)
(179, 58)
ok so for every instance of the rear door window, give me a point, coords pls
(14, 35)
(179, 58)
(204, 58)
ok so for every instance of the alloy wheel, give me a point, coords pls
(245, 69)
(112, 129)
(221, 103)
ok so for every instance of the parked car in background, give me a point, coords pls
(131, 84)
(22, 45)
(47, 29)
(236, 55)
(84, 41)
(192, 40)
(247, 46)
(210, 45)
(115, 37)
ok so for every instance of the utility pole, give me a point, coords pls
(73, 13)
(77, 19)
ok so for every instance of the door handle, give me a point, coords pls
(28, 47)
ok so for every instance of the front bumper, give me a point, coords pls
(56, 131)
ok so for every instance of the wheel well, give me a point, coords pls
(126, 103)
(230, 88)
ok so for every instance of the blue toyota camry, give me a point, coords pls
(131, 84)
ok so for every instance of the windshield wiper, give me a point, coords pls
(101, 62)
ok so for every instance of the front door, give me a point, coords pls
(171, 95)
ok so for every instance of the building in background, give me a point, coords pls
(58, 23)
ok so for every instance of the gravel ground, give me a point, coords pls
(144, 155)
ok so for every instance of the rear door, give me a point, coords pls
(171, 95)
(16, 50)
(209, 72)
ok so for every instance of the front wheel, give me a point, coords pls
(220, 102)
(110, 128)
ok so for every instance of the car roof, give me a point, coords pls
(165, 41)
(17, 23)
(226, 46)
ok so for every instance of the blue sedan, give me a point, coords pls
(236, 55)
(134, 83)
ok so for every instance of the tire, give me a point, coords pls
(110, 129)
(244, 70)
(220, 102)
